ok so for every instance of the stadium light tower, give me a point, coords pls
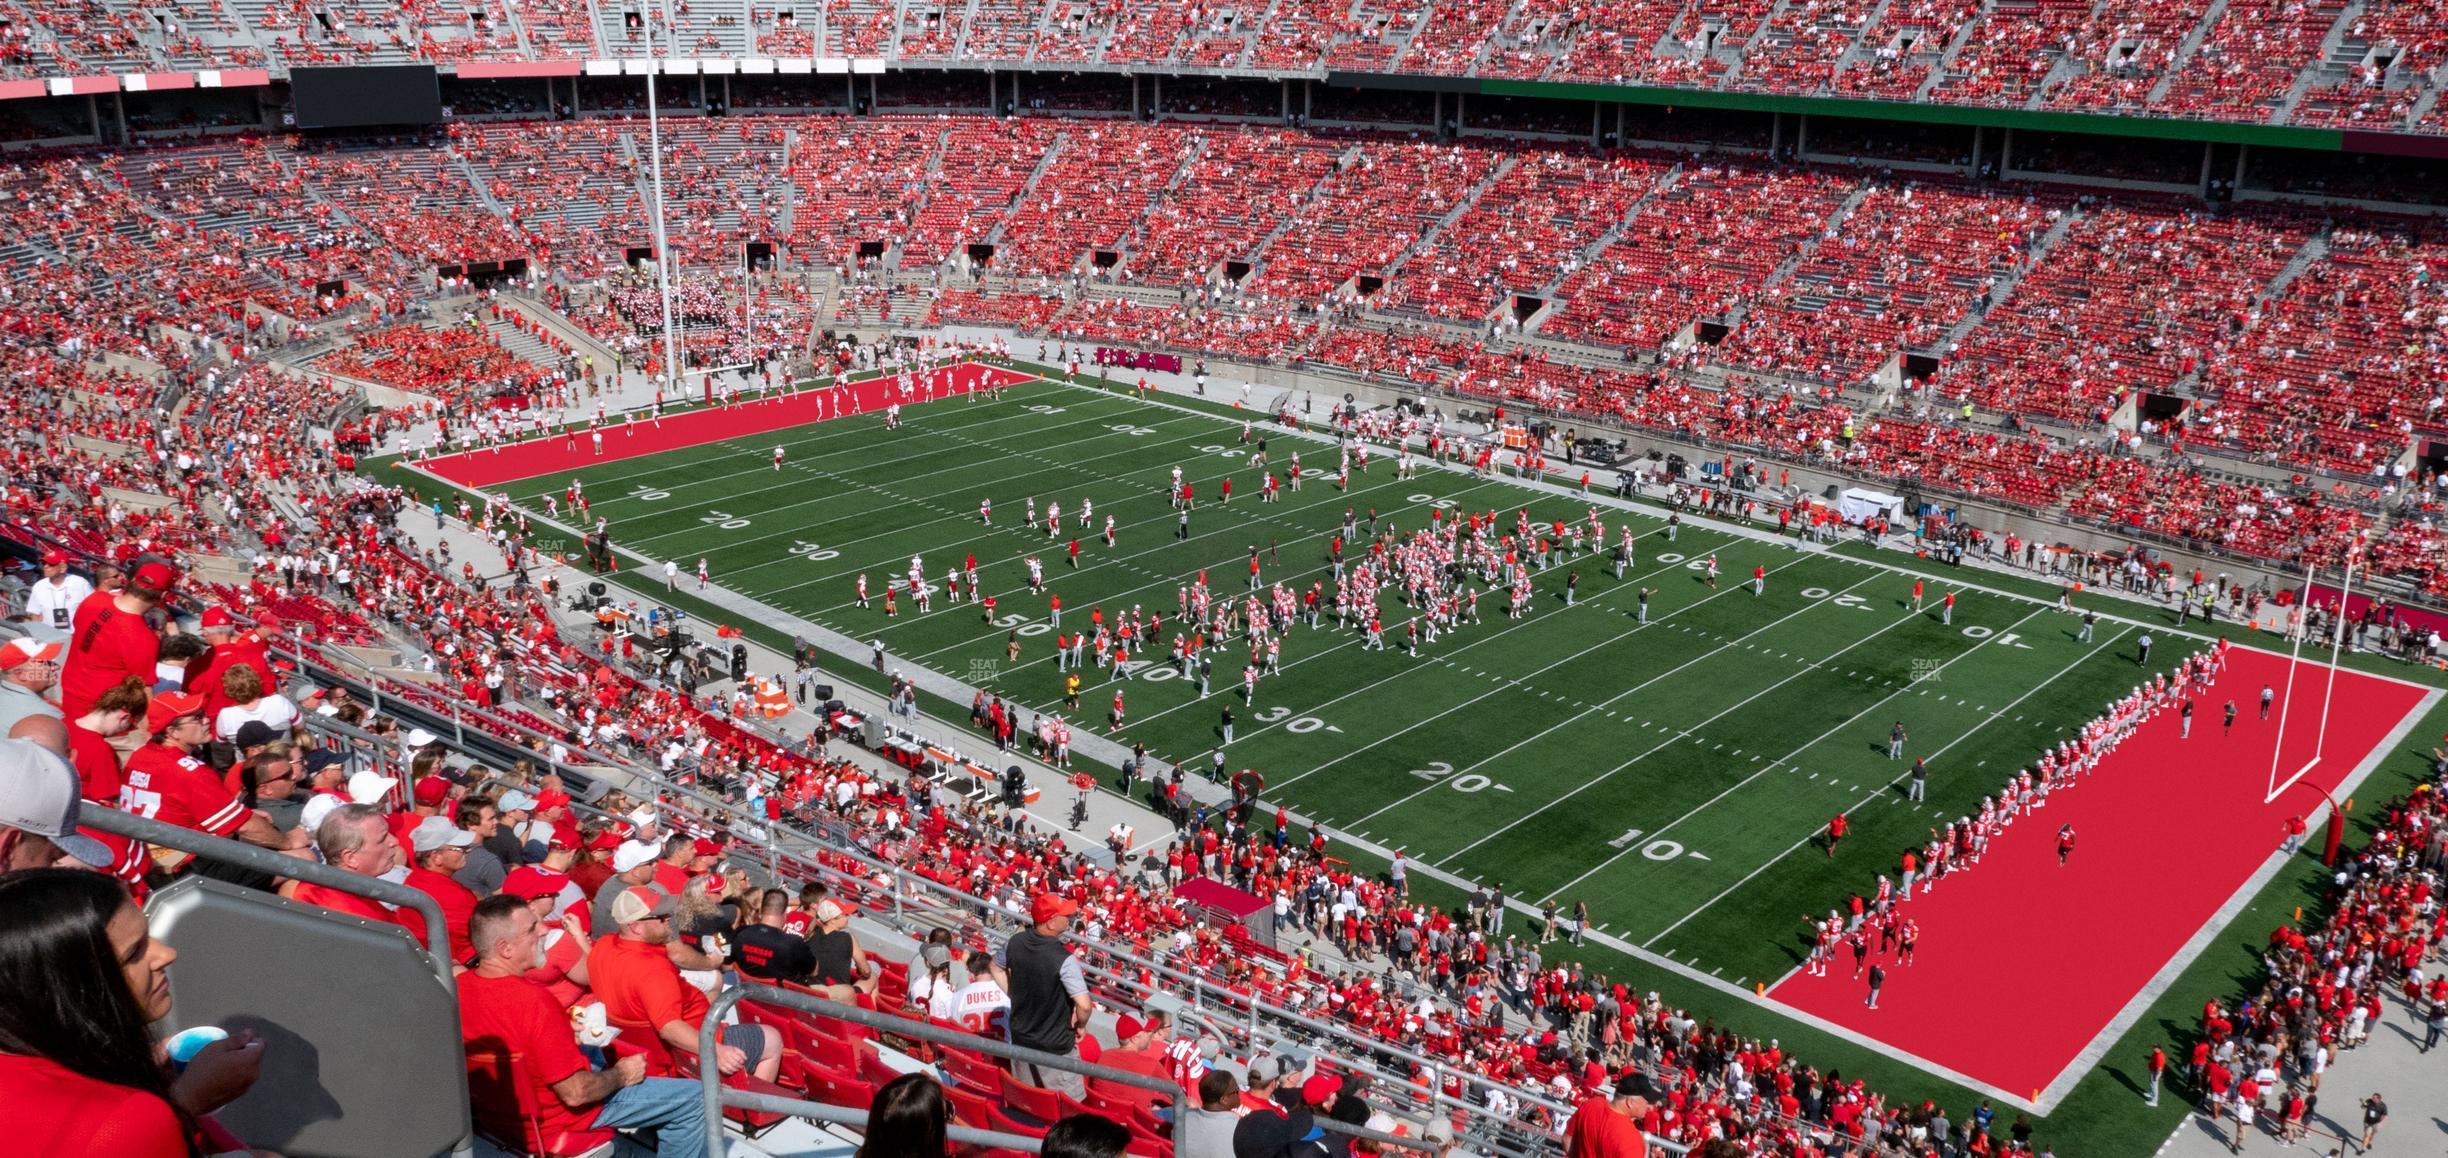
(654, 148)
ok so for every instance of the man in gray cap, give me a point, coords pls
(38, 812)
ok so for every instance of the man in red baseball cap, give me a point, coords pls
(1049, 993)
(431, 795)
(1139, 1049)
(230, 648)
(29, 673)
(51, 603)
(113, 637)
(549, 883)
(164, 781)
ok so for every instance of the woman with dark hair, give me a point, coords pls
(81, 979)
(907, 1119)
(1086, 1136)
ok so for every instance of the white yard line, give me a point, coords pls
(1240, 527)
(1705, 523)
(1442, 660)
(1787, 758)
(1942, 750)
(864, 438)
(1167, 579)
(1602, 705)
(1524, 679)
(761, 456)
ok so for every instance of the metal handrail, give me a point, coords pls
(907, 885)
(766, 833)
(710, 1077)
(449, 719)
(1205, 996)
(247, 856)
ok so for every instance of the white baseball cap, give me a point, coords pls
(38, 794)
(370, 787)
(633, 853)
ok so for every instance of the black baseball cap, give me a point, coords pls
(1635, 1084)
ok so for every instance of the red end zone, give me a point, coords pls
(562, 453)
(2022, 964)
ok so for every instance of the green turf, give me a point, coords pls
(1726, 731)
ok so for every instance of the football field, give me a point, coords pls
(1677, 775)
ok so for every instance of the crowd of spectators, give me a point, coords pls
(1856, 298)
(1707, 240)
(1523, 233)
(2156, 56)
(2130, 301)
(454, 361)
(329, 576)
(2136, 299)
(2328, 982)
(1210, 217)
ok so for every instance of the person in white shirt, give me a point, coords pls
(51, 603)
(244, 686)
(930, 985)
(982, 1005)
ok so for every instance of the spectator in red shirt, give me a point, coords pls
(642, 993)
(1607, 1127)
(549, 880)
(164, 781)
(357, 838)
(1137, 1049)
(438, 850)
(80, 1072)
(671, 873)
(97, 767)
(89, 736)
(590, 873)
(229, 649)
(500, 1011)
(114, 638)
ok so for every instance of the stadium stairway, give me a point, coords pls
(2005, 288)
(518, 341)
(2184, 51)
